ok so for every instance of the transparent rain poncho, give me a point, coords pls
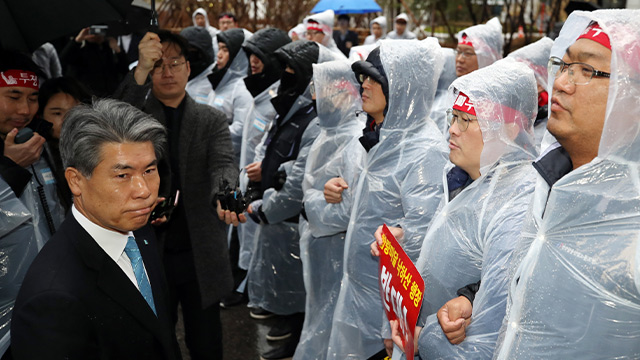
(487, 41)
(536, 56)
(400, 184)
(575, 293)
(325, 21)
(371, 39)
(335, 152)
(213, 31)
(275, 281)
(23, 232)
(234, 100)
(472, 236)
(255, 128)
(442, 100)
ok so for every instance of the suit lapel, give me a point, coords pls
(114, 283)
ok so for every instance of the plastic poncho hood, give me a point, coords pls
(237, 65)
(202, 12)
(578, 275)
(201, 54)
(487, 41)
(410, 100)
(496, 105)
(382, 21)
(473, 235)
(299, 55)
(322, 237)
(536, 56)
(263, 45)
(337, 93)
(400, 184)
(441, 101)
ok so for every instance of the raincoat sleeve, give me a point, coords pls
(280, 205)
(489, 305)
(242, 111)
(328, 219)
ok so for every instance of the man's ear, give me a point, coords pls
(188, 68)
(75, 180)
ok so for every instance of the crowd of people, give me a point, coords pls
(199, 170)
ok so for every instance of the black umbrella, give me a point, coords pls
(27, 24)
(580, 5)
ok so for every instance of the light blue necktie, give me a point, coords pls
(133, 253)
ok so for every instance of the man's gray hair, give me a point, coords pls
(87, 127)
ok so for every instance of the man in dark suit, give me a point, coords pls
(345, 39)
(193, 239)
(97, 290)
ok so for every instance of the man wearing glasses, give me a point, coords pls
(478, 46)
(575, 288)
(199, 158)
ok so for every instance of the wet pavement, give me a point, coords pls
(243, 336)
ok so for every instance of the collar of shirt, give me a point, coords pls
(553, 164)
(112, 242)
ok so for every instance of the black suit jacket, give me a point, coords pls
(77, 303)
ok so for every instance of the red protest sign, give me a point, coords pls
(401, 288)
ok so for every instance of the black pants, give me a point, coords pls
(203, 329)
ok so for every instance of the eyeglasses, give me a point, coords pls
(465, 54)
(312, 33)
(463, 123)
(362, 78)
(175, 67)
(579, 73)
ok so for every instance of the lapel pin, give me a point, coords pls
(146, 242)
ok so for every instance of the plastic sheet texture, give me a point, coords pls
(473, 236)
(335, 152)
(487, 41)
(255, 128)
(536, 56)
(23, 232)
(275, 272)
(575, 292)
(400, 184)
(234, 100)
(443, 101)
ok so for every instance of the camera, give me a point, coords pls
(233, 199)
(98, 30)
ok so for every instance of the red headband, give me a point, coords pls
(314, 26)
(594, 32)
(465, 41)
(21, 78)
(464, 104)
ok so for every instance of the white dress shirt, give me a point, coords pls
(112, 242)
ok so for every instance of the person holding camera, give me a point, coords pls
(28, 189)
(199, 159)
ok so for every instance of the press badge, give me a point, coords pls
(47, 175)
(260, 124)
